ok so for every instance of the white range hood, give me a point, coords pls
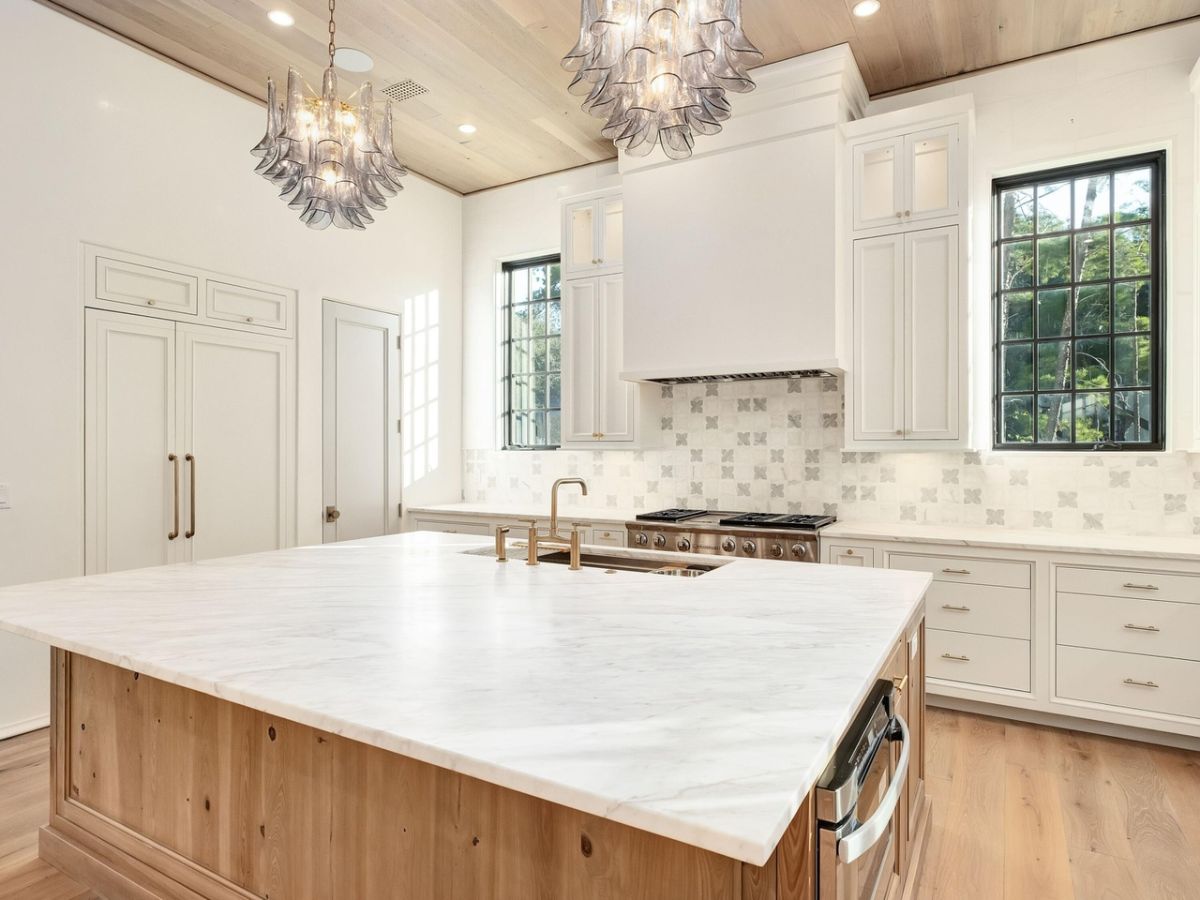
(733, 265)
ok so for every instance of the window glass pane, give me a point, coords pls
(539, 354)
(1018, 420)
(1091, 255)
(1054, 313)
(519, 429)
(1054, 418)
(1131, 361)
(1016, 265)
(1054, 365)
(1054, 207)
(1091, 309)
(1132, 300)
(554, 386)
(1132, 195)
(520, 322)
(520, 286)
(1016, 213)
(537, 283)
(1018, 367)
(1131, 251)
(520, 392)
(1091, 363)
(537, 392)
(554, 427)
(1016, 316)
(556, 280)
(1093, 198)
(1054, 264)
(1131, 417)
(1091, 418)
(537, 429)
(554, 317)
(553, 354)
(537, 319)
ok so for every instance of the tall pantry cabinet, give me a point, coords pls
(189, 422)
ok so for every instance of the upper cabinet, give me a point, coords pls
(593, 236)
(906, 382)
(907, 178)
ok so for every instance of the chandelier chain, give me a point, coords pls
(332, 29)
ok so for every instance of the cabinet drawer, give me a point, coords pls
(1131, 680)
(961, 570)
(449, 527)
(608, 537)
(1129, 583)
(247, 305)
(119, 281)
(843, 555)
(979, 609)
(1130, 625)
(977, 659)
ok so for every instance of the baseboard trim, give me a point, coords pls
(1066, 723)
(12, 729)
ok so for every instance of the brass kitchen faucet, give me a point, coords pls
(552, 537)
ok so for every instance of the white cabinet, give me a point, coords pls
(592, 241)
(906, 178)
(907, 342)
(189, 442)
(858, 555)
(598, 407)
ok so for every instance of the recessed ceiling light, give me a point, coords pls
(281, 17)
(351, 60)
(866, 8)
(467, 128)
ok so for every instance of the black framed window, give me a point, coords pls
(533, 354)
(1078, 257)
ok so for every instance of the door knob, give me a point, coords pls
(332, 514)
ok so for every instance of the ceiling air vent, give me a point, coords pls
(404, 90)
(746, 376)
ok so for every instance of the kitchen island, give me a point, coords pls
(402, 717)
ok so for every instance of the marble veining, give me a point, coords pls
(699, 709)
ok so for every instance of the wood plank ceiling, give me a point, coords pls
(495, 63)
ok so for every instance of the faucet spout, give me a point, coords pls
(554, 500)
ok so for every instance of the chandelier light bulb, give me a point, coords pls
(658, 73)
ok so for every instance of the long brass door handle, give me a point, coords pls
(174, 461)
(191, 532)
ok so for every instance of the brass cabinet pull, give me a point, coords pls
(174, 532)
(956, 571)
(1134, 681)
(191, 532)
(957, 658)
(1133, 627)
(900, 683)
(1140, 587)
(956, 608)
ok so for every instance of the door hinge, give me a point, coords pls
(399, 426)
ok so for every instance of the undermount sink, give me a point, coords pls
(653, 564)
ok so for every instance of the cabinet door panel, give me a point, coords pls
(236, 404)
(614, 397)
(579, 303)
(129, 433)
(878, 338)
(611, 233)
(932, 335)
(932, 161)
(123, 281)
(878, 183)
(580, 230)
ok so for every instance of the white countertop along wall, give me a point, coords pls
(702, 709)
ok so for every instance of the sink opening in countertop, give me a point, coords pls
(613, 562)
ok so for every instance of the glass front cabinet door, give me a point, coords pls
(593, 236)
(931, 158)
(906, 178)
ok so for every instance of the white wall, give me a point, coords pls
(521, 220)
(110, 145)
(1099, 101)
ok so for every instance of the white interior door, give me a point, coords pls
(131, 507)
(237, 408)
(878, 382)
(932, 370)
(361, 422)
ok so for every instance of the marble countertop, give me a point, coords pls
(567, 512)
(701, 709)
(1165, 547)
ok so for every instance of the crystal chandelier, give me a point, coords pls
(658, 70)
(331, 160)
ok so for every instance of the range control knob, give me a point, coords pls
(777, 551)
(641, 539)
(799, 551)
(729, 545)
(660, 540)
(683, 545)
(749, 548)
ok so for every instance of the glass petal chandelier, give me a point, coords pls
(332, 161)
(658, 70)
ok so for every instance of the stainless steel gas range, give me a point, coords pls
(747, 535)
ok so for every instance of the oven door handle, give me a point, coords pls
(863, 838)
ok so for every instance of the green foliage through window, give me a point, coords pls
(1078, 288)
(533, 354)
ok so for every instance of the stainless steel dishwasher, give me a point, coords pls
(856, 798)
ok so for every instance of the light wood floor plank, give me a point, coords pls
(1035, 842)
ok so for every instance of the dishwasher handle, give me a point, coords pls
(863, 838)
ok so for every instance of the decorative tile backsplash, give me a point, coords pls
(776, 446)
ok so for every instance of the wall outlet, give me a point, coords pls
(5, 497)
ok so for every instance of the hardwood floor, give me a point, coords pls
(1020, 812)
